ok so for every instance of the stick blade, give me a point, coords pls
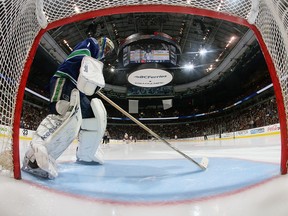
(204, 163)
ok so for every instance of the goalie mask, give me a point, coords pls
(106, 47)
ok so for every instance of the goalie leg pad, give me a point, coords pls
(91, 133)
(54, 134)
(89, 149)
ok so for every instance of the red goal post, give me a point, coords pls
(23, 23)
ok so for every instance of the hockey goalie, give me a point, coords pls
(72, 111)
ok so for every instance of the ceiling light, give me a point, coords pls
(112, 69)
(210, 68)
(189, 66)
(67, 44)
(203, 51)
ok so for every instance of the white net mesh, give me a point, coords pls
(19, 26)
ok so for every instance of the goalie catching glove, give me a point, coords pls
(90, 78)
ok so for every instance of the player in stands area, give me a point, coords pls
(73, 111)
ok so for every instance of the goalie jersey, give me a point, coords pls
(70, 67)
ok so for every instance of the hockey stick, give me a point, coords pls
(204, 162)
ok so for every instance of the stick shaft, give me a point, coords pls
(147, 129)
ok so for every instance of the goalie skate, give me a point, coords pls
(32, 168)
(98, 158)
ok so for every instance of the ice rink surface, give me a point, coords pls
(149, 178)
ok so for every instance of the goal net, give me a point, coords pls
(23, 23)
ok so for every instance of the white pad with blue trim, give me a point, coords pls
(91, 134)
(54, 134)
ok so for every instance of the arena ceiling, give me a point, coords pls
(232, 59)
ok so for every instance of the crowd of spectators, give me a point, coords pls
(32, 115)
(258, 114)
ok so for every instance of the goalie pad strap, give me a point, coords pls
(62, 107)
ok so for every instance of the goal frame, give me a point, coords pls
(149, 8)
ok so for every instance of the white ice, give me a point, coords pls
(18, 198)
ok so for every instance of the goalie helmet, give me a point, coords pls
(106, 46)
